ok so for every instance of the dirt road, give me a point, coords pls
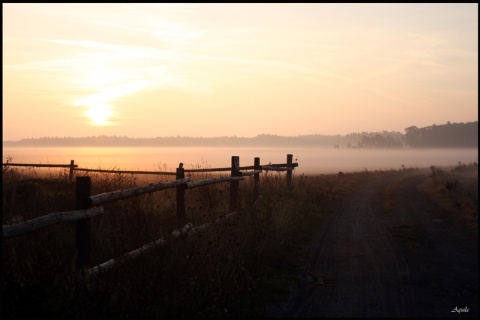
(387, 251)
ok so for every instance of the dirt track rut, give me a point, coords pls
(409, 260)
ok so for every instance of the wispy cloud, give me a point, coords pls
(95, 54)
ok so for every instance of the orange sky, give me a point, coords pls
(147, 70)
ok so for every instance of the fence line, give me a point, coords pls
(187, 230)
(132, 192)
(39, 165)
(275, 168)
(125, 171)
(14, 230)
(250, 173)
(194, 184)
(87, 204)
(74, 167)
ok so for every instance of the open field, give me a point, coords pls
(246, 266)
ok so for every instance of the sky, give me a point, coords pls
(149, 70)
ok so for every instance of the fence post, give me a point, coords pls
(289, 170)
(83, 226)
(72, 165)
(257, 178)
(235, 172)
(180, 192)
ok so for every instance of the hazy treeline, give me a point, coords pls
(447, 135)
(263, 140)
(381, 140)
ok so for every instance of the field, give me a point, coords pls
(234, 268)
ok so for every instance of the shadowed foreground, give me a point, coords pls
(388, 251)
(375, 246)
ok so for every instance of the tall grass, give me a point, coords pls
(231, 269)
(456, 190)
(226, 270)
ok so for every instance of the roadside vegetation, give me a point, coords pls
(233, 268)
(456, 190)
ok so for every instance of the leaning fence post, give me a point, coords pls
(235, 172)
(72, 165)
(180, 192)
(289, 170)
(256, 166)
(83, 226)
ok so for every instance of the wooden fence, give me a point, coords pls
(88, 205)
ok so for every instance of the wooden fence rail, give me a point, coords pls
(38, 165)
(132, 192)
(194, 184)
(87, 205)
(187, 230)
(126, 171)
(14, 230)
(72, 166)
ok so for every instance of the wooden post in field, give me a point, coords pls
(289, 170)
(235, 172)
(257, 178)
(72, 165)
(180, 193)
(83, 226)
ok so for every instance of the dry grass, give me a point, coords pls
(231, 269)
(456, 190)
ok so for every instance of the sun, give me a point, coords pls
(99, 113)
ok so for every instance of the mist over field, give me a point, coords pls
(449, 135)
(310, 160)
(442, 145)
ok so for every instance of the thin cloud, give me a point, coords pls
(128, 52)
(123, 51)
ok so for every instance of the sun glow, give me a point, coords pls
(99, 109)
(99, 113)
(116, 69)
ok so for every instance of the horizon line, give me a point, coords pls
(201, 137)
(233, 136)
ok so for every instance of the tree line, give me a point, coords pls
(435, 136)
(447, 135)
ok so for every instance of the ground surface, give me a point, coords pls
(388, 251)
